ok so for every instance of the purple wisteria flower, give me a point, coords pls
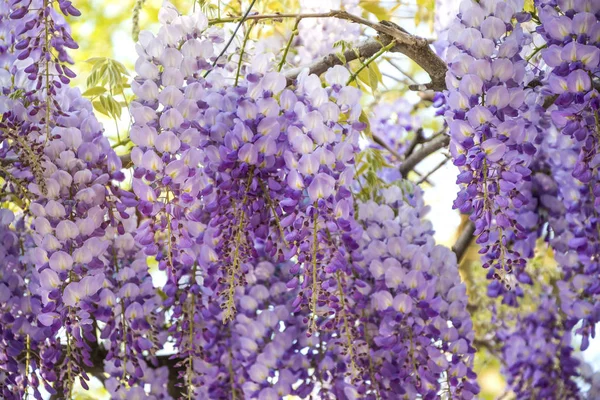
(492, 140)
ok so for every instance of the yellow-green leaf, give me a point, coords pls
(374, 8)
(377, 72)
(98, 106)
(94, 91)
(363, 76)
(95, 60)
(373, 78)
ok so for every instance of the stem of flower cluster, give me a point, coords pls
(69, 382)
(371, 367)
(124, 340)
(346, 324)
(265, 190)
(27, 360)
(315, 284)
(170, 234)
(47, 72)
(230, 308)
(190, 364)
(231, 377)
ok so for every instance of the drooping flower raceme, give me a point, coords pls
(20, 333)
(413, 304)
(570, 55)
(491, 140)
(572, 52)
(219, 168)
(538, 356)
(59, 150)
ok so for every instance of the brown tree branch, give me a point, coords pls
(434, 170)
(414, 47)
(413, 144)
(439, 142)
(464, 241)
(364, 50)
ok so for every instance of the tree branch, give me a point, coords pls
(464, 241)
(364, 50)
(414, 47)
(434, 170)
(413, 144)
(439, 142)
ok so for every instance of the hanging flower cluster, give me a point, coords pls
(258, 355)
(392, 122)
(19, 331)
(417, 329)
(571, 54)
(491, 141)
(537, 105)
(271, 157)
(69, 168)
(538, 356)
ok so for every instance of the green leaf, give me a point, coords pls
(94, 91)
(343, 44)
(98, 106)
(374, 8)
(97, 75)
(115, 108)
(363, 76)
(95, 60)
(92, 79)
(377, 71)
(120, 67)
(112, 107)
(373, 78)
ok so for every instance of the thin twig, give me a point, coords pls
(231, 38)
(239, 67)
(386, 146)
(370, 60)
(417, 139)
(289, 43)
(434, 170)
(395, 65)
(423, 152)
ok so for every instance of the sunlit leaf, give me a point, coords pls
(374, 8)
(94, 91)
(98, 106)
